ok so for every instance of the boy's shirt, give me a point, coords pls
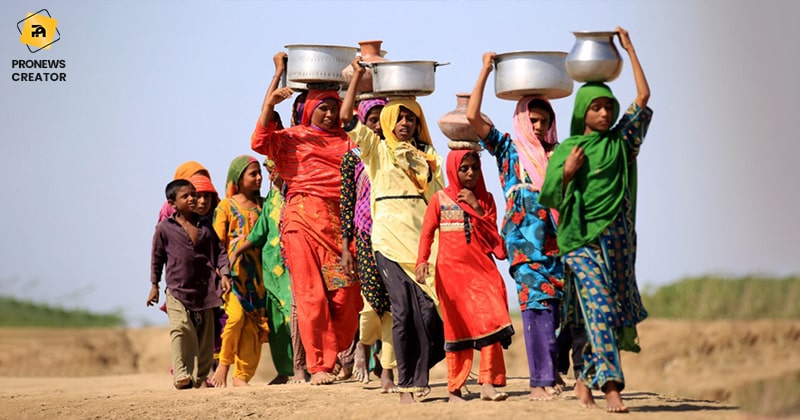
(191, 269)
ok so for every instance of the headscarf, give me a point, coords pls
(365, 106)
(594, 197)
(486, 225)
(189, 168)
(416, 164)
(532, 155)
(202, 184)
(235, 172)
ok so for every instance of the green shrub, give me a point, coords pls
(715, 297)
(19, 313)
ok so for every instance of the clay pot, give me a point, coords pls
(455, 125)
(370, 53)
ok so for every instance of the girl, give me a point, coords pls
(404, 171)
(591, 180)
(246, 327)
(529, 229)
(470, 288)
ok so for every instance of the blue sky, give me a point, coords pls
(151, 84)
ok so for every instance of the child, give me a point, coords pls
(184, 171)
(193, 287)
(266, 235)
(375, 318)
(529, 229)
(591, 180)
(404, 170)
(470, 288)
(246, 327)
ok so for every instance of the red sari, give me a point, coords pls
(471, 290)
(328, 299)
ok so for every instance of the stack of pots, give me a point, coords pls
(457, 128)
(594, 57)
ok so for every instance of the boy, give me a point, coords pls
(192, 253)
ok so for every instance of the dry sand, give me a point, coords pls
(686, 370)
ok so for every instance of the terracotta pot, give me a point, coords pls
(455, 125)
(370, 53)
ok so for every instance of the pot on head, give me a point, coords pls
(594, 57)
(405, 78)
(526, 73)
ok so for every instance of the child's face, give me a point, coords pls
(469, 172)
(185, 200)
(373, 120)
(540, 120)
(598, 116)
(406, 125)
(251, 179)
(204, 201)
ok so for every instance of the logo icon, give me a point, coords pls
(38, 30)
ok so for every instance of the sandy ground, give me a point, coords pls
(709, 370)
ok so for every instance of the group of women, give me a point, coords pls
(568, 232)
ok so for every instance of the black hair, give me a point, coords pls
(538, 103)
(473, 154)
(172, 188)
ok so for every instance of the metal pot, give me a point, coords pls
(407, 78)
(317, 63)
(525, 73)
(594, 58)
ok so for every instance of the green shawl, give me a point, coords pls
(592, 200)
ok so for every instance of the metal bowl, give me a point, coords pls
(317, 63)
(525, 73)
(404, 78)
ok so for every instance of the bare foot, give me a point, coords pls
(322, 378)
(614, 399)
(407, 398)
(239, 382)
(360, 369)
(489, 393)
(387, 382)
(584, 394)
(279, 380)
(552, 390)
(220, 378)
(345, 373)
(539, 393)
(455, 397)
(205, 383)
(300, 376)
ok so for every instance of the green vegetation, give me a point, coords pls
(713, 297)
(18, 313)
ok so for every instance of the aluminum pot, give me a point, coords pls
(594, 57)
(317, 63)
(406, 78)
(525, 73)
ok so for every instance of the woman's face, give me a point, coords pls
(373, 120)
(469, 172)
(251, 178)
(598, 116)
(540, 120)
(406, 125)
(326, 114)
